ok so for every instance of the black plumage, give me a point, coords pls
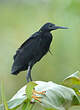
(33, 49)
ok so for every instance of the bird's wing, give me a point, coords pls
(25, 53)
(26, 43)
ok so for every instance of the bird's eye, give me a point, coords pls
(50, 25)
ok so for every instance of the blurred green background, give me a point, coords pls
(21, 18)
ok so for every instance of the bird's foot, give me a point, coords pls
(37, 97)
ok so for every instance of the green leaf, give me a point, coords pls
(24, 106)
(27, 106)
(29, 89)
(57, 97)
(17, 99)
(21, 97)
(5, 105)
(73, 81)
(1, 107)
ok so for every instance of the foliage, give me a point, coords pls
(56, 97)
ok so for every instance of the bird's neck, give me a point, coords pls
(43, 31)
(45, 35)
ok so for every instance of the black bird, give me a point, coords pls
(33, 49)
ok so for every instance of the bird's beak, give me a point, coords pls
(60, 27)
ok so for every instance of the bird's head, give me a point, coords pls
(49, 27)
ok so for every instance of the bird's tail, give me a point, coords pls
(14, 71)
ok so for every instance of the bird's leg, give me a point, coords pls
(29, 73)
(30, 77)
